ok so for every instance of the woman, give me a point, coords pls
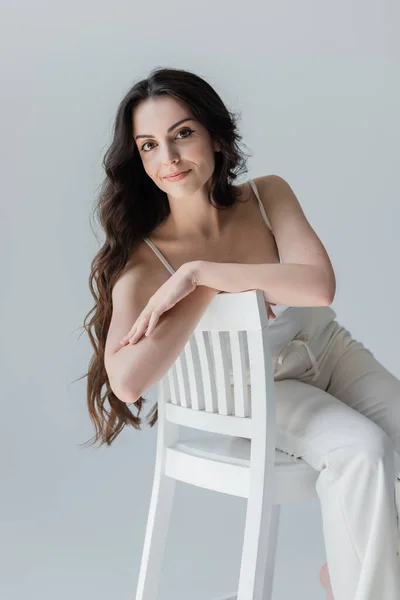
(172, 243)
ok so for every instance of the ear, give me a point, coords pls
(217, 147)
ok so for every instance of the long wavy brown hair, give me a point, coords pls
(130, 206)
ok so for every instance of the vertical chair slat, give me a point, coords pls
(205, 357)
(194, 374)
(260, 363)
(173, 385)
(183, 380)
(224, 392)
(240, 373)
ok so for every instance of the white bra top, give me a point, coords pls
(279, 308)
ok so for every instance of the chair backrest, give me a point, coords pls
(223, 381)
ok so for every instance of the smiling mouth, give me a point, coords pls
(177, 175)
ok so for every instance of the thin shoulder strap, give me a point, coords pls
(164, 260)
(160, 256)
(260, 204)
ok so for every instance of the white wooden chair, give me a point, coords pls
(222, 385)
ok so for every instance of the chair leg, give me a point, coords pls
(259, 551)
(397, 501)
(271, 552)
(156, 537)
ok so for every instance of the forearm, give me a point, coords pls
(287, 284)
(134, 369)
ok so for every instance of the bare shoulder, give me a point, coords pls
(137, 282)
(281, 203)
(273, 188)
(296, 239)
(143, 273)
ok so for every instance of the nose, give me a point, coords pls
(169, 153)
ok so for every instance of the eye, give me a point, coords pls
(186, 129)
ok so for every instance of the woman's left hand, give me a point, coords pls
(178, 286)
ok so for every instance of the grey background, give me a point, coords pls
(318, 87)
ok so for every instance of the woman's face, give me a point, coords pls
(165, 146)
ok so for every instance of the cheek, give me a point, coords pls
(149, 165)
(152, 169)
(150, 162)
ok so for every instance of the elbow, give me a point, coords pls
(327, 300)
(329, 296)
(128, 396)
(124, 393)
(120, 385)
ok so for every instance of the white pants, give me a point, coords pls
(338, 409)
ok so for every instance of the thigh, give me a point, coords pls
(359, 380)
(314, 425)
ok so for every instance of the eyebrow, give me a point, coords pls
(168, 130)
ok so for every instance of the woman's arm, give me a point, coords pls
(287, 284)
(305, 277)
(133, 369)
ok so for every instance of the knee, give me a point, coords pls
(371, 446)
(376, 445)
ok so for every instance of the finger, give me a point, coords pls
(130, 333)
(152, 322)
(139, 331)
(137, 335)
(139, 327)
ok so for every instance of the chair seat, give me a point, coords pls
(221, 447)
(233, 450)
(295, 478)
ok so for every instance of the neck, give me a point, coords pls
(194, 217)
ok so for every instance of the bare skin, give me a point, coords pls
(244, 237)
(324, 579)
(168, 140)
(195, 230)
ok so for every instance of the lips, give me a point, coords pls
(174, 175)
